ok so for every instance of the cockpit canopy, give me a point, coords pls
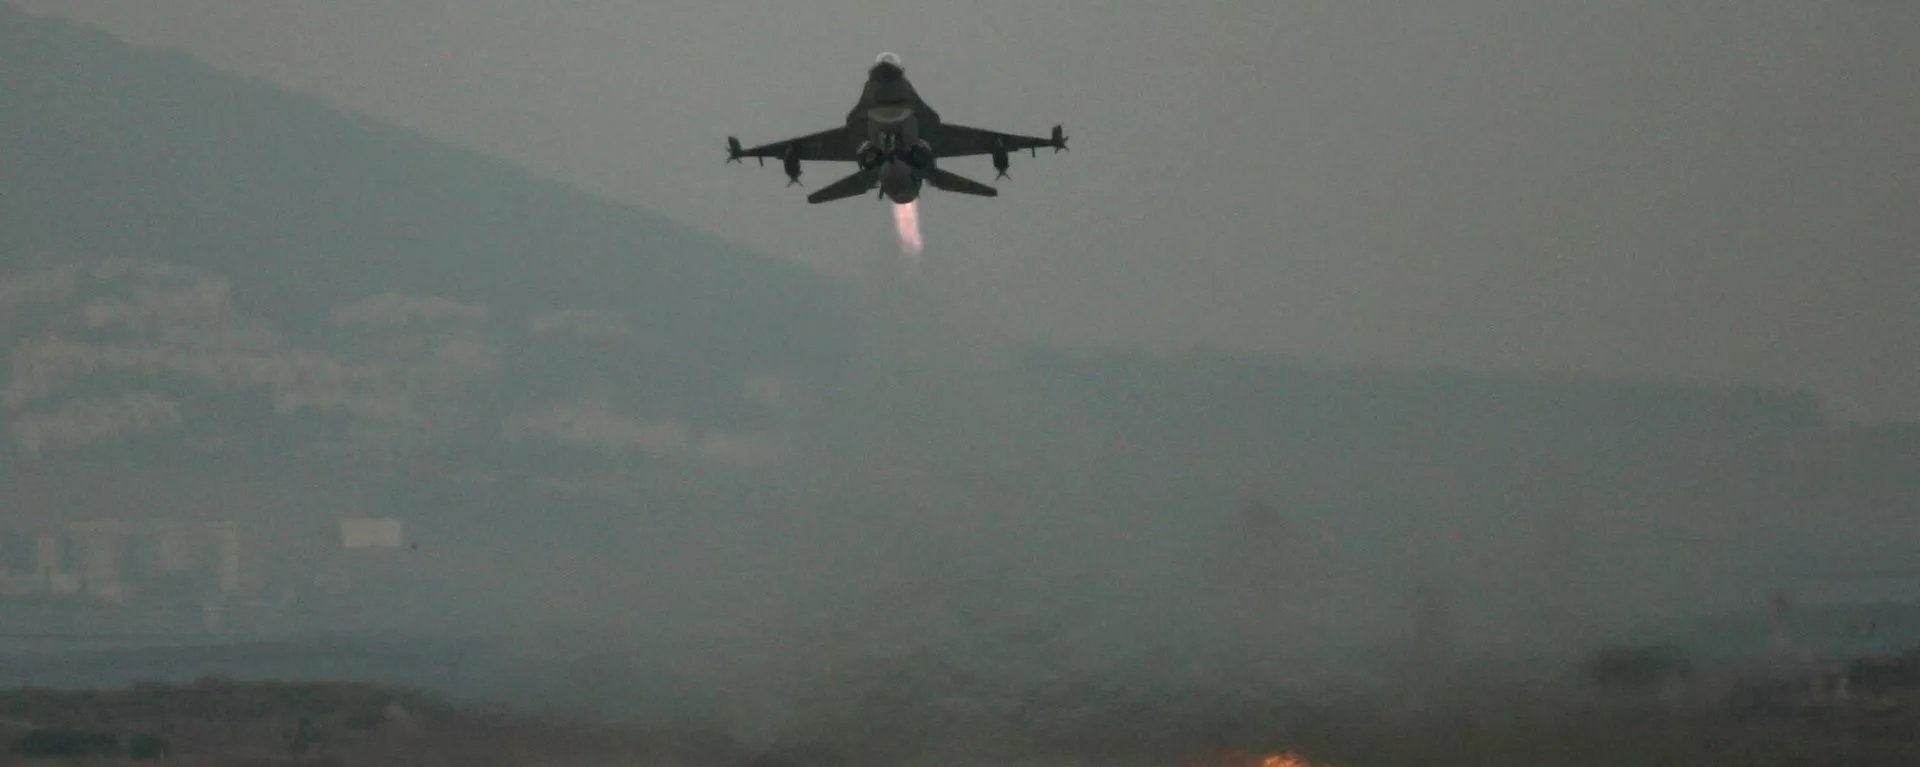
(889, 59)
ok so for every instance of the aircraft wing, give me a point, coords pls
(858, 182)
(831, 145)
(949, 181)
(950, 140)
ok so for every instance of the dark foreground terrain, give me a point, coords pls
(222, 722)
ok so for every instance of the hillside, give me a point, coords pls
(160, 215)
(221, 300)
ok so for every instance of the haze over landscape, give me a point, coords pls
(1713, 191)
(1349, 349)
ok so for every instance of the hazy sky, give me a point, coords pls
(1709, 190)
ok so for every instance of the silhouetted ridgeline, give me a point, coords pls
(117, 152)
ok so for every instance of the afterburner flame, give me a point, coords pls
(906, 222)
(1237, 758)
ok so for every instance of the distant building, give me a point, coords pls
(19, 568)
(371, 533)
(232, 542)
(52, 553)
(179, 547)
(102, 565)
(118, 562)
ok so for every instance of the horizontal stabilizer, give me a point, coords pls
(858, 183)
(949, 181)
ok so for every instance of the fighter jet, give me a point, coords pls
(896, 140)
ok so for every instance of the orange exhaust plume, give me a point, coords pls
(906, 223)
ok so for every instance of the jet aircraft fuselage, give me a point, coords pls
(896, 140)
(889, 114)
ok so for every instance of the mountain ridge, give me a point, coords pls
(268, 203)
(236, 154)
